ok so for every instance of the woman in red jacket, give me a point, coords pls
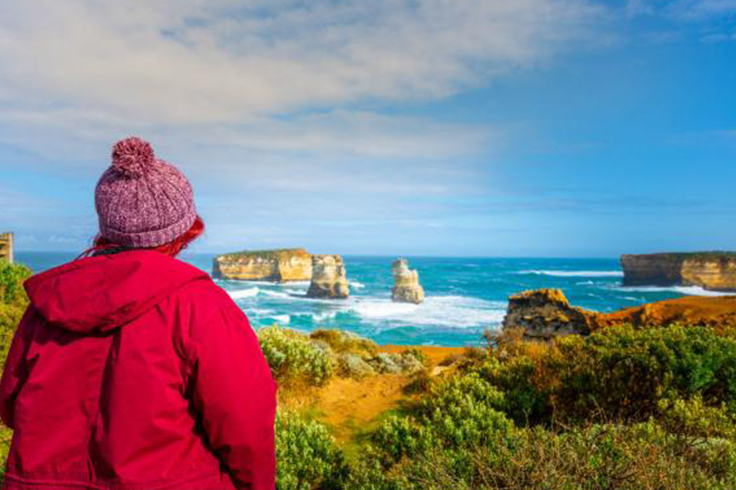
(132, 370)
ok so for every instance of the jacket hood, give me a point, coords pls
(97, 294)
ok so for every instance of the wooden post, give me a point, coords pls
(6, 247)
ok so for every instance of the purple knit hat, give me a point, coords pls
(142, 201)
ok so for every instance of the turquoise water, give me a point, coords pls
(464, 296)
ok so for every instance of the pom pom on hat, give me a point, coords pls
(132, 156)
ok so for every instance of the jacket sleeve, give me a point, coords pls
(15, 370)
(236, 397)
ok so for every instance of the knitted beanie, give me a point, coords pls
(142, 201)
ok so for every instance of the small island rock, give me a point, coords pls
(407, 288)
(328, 278)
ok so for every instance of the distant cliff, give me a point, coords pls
(715, 271)
(546, 313)
(283, 265)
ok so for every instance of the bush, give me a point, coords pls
(13, 301)
(11, 283)
(343, 341)
(526, 399)
(293, 358)
(595, 457)
(457, 413)
(623, 373)
(307, 455)
(695, 420)
(616, 374)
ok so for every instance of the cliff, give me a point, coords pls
(283, 265)
(546, 313)
(328, 278)
(407, 288)
(715, 271)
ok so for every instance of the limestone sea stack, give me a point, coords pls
(546, 313)
(281, 265)
(714, 271)
(407, 288)
(328, 278)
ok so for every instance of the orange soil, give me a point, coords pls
(716, 312)
(350, 406)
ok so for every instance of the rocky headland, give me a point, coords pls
(283, 265)
(407, 288)
(546, 313)
(714, 271)
(329, 279)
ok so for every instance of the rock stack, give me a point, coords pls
(407, 288)
(328, 278)
(546, 313)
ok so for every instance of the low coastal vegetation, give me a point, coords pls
(623, 408)
(13, 302)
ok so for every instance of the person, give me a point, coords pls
(130, 369)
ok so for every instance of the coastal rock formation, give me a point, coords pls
(407, 288)
(328, 278)
(714, 271)
(283, 265)
(6, 247)
(546, 313)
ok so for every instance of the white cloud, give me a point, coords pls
(278, 110)
(175, 62)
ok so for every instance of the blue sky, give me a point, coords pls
(431, 127)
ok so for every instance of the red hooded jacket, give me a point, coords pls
(134, 371)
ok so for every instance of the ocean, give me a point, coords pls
(464, 296)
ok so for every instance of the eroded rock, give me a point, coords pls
(283, 265)
(407, 288)
(329, 278)
(714, 271)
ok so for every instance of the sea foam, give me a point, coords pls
(573, 273)
(686, 290)
(243, 293)
(442, 311)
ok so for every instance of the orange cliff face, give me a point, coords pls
(715, 271)
(546, 313)
(282, 265)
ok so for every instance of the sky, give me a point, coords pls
(573, 128)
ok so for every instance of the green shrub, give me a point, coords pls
(293, 358)
(307, 455)
(623, 373)
(343, 341)
(417, 354)
(11, 283)
(595, 457)
(13, 302)
(457, 413)
(525, 401)
(693, 418)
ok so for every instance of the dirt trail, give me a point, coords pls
(350, 407)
